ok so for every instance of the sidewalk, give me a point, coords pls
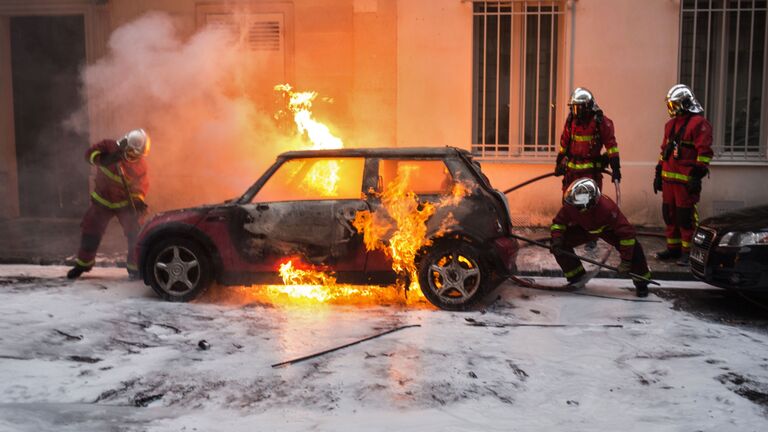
(55, 242)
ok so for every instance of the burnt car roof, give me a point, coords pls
(746, 219)
(385, 152)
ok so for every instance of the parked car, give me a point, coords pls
(242, 242)
(731, 250)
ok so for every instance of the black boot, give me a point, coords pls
(641, 288)
(668, 254)
(577, 282)
(133, 275)
(684, 260)
(76, 271)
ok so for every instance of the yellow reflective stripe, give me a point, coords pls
(112, 176)
(581, 165)
(647, 276)
(93, 156)
(574, 272)
(599, 230)
(557, 227)
(685, 244)
(583, 138)
(131, 267)
(661, 157)
(108, 204)
(675, 176)
(613, 150)
(673, 241)
(562, 149)
(82, 263)
(703, 159)
(687, 143)
(627, 242)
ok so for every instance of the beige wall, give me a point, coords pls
(400, 73)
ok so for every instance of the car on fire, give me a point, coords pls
(731, 250)
(284, 214)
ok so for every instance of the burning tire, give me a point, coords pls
(179, 270)
(453, 275)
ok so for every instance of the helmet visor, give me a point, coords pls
(674, 108)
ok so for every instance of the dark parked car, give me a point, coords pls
(286, 215)
(731, 250)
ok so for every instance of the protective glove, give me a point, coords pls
(615, 169)
(140, 205)
(556, 246)
(560, 165)
(624, 267)
(694, 186)
(110, 158)
(657, 180)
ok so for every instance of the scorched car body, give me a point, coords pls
(243, 242)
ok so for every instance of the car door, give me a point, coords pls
(304, 212)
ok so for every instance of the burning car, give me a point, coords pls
(367, 216)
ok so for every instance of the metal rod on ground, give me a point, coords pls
(597, 263)
(307, 357)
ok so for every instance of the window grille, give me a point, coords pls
(723, 59)
(517, 57)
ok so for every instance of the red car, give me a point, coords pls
(285, 214)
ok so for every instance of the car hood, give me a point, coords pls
(189, 216)
(748, 219)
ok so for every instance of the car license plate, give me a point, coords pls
(698, 255)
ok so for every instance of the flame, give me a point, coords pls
(324, 176)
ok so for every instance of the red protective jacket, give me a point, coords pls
(604, 219)
(694, 149)
(581, 144)
(109, 190)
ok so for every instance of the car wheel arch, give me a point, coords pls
(187, 232)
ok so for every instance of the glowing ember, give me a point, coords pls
(324, 175)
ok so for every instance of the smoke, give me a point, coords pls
(206, 102)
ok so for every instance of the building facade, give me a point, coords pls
(492, 77)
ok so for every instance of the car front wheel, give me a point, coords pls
(453, 275)
(179, 270)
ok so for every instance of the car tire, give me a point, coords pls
(454, 276)
(179, 269)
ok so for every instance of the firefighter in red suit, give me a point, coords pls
(587, 215)
(121, 168)
(585, 133)
(684, 160)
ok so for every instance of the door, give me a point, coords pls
(47, 53)
(304, 212)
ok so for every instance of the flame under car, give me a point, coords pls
(307, 208)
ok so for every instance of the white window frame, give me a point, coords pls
(518, 149)
(713, 93)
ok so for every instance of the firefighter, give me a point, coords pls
(586, 131)
(587, 215)
(686, 151)
(121, 168)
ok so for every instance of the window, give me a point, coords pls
(314, 179)
(421, 177)
(723, 59)
(516, 65)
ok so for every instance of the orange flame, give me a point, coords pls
(324, 176)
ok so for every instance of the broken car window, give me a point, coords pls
(314, 179)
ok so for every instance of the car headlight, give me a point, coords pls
(738, 239)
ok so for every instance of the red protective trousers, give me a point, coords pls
(94, 225)
(679, 211)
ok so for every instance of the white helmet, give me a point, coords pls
(135, 144)
(582, 193)
(680, 99)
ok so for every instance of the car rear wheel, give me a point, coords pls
(179, 270)
(453, 275)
